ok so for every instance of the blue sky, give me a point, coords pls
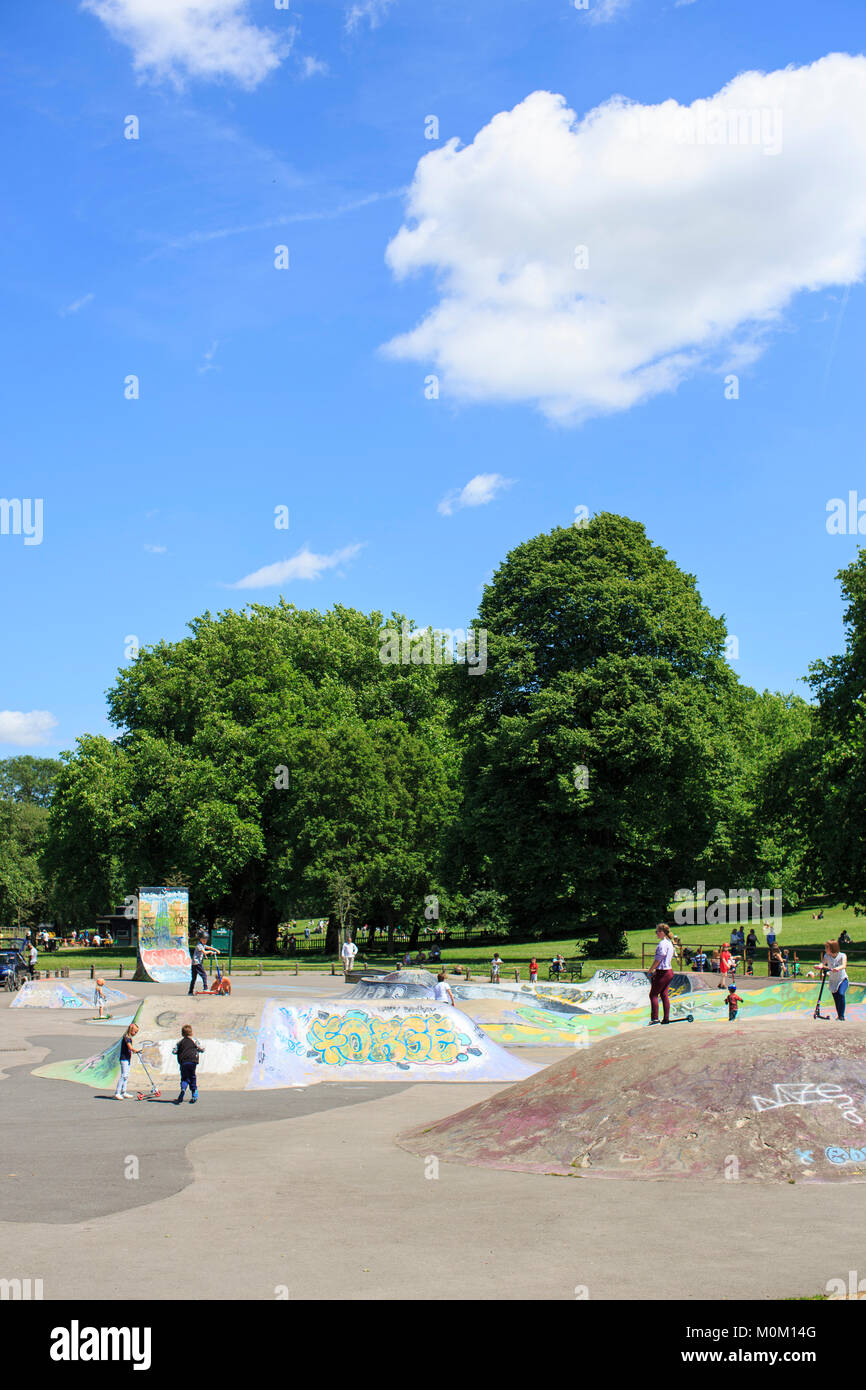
(261, 388)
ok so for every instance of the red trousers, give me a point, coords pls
(661, 982)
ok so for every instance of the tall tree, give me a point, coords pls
(839, 790)
(260, 756)
(595, 742)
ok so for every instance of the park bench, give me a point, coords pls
(573, 970)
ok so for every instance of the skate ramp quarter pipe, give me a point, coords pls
(163, 936)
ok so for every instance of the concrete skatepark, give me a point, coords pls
(386, 1187)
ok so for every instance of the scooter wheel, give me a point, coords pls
(156, 1094)
(140, 1095)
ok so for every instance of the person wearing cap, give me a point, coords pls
(733, 1002)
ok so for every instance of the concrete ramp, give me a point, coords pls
(163, 936)
(383, 1041)
(272, 1044)
(397, 984)
(54, 994)
(782, 1100)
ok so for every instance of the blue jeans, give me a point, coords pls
(194, 971)
(122, 1079)
(839, 998)
(187, 1078)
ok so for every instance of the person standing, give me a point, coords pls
(533, 971)
(442, 992)
(348, 953)
(32, 958)
(495, 967)
(661, 974)
(733, 1001)
(200, 950)
(835, 962)
(187, 1051)
(751, 950)
(127, 1050)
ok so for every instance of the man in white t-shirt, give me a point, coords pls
(441, 992)
(33, 958)
(348, 953)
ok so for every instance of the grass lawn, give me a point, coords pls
(798, 932)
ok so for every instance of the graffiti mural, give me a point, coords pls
(380, 1041)
(163, 935)
(356, 1036)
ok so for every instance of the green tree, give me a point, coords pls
(595, 744)
(838, 798)
(259, 757)
(23, 893)
(25, 778)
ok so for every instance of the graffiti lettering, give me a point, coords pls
(414, 1038)
(840, 1156)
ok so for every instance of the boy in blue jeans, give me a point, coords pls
(187, 1052)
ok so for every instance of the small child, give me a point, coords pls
(99, 996)
(533, 971)
(187, 1052)
(733, 1002)
(495, 967)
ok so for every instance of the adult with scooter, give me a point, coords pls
(835, 962)
(661, 974)
(200, 950)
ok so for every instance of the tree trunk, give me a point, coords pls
(332, 937)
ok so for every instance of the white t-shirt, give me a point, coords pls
(442, 992)
(350, 950)
(664, 954)
(838, 973)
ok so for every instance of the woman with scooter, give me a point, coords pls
(835, 963)
(661, 974)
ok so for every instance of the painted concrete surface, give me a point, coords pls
(325, 1206)
(254, 1043)
(385, 1040)
(55, 994)
(769, 1101)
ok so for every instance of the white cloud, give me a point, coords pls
(313, 67)
(371, 11)
(603, 11)
(209, 365)
(77, 304)
(304, 565)
(700, 224)
(26, 730)
(477, 493)
(155, 549)
(193, 38)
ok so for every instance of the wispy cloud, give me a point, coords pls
(26, 730)
(205, 39)
(209, 365)
(155, 549)
(370, 12)
(477, 493)
(77, 304)
(313, 67)
(192, 239)
(305, 565)
(603, 11)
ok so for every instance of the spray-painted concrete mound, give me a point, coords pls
(776, 1101)
(53, 994)
(397, 984)
(381, 1041)
(271, 1044)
